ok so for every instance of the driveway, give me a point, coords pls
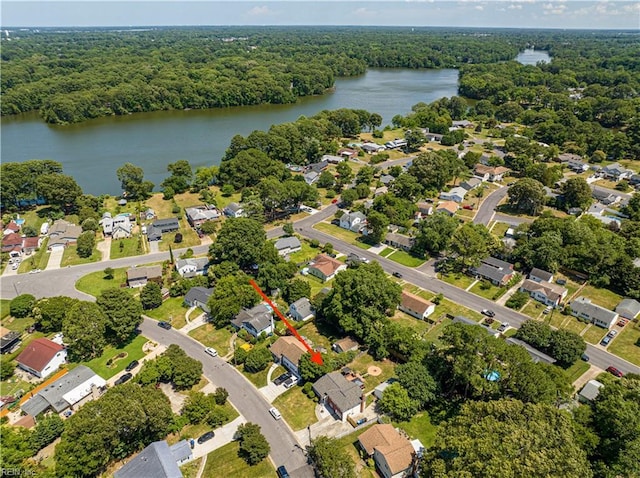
(487, 208)
(154, 247)
(55, 258)
(105, 248)
(223, 435)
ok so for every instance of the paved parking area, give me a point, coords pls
(55, 258)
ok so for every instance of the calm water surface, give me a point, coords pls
(92, 151)
(532, 57)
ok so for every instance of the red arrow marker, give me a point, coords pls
(316, 357)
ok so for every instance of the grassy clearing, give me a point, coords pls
(318, 334)
(225, 462)
(305, 254)
(499, 229)
(209, 336)
(13, 386)
(626, 343)
(573, 325)
(4, 307)
(296, 408)
(364, 361)
(190, 470)
(316, 284)
(95, 283)
(420, 326)
(451, 308)
(189, 237)
(594, 334)
(342, 234)
(457, 279)
(259, 379)
(487, 290)
(577, 370)
(125, 248)
(11, 323)
(603, 297)
(434, 333)
(70, 257)
(420, 427)
(172, 310)
(386, 252)
(406, 259)
(133, 351)
(533, 309)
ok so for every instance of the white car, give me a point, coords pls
(211, 351)
(275, 413)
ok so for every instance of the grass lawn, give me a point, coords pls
(194, 431)
(420, 326)
(364, 361)
(318, 334)
(420, 427)
(457, 279)
(573, 325)
(133, 350)
(13, 385)
(499, 229)
(172, 310)
(533, 309)
(190, 470)
(576, 370)
(94, 283)
(129, 248)
(209, 336)
(71, 258)
(111, 205)
(510, 333)
(343, 234)
(386, 251)
(37, 260)
(296, 408)
(350, 444)
(259, 379)
(488, 290)
(603, 297)
(571, 285)
(189, 237)
(316, 284)
(225, 462)
(4, 307)
(406, 259)
(594, 334)
(305, 254)
(434, 334)
(451, 308)
(624, 344)
(11, 323)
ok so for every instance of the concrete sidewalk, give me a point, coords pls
(194, 324)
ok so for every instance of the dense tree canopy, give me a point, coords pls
(84, 329)
(240, 240)
(123, 313)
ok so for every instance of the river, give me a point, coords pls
(92, 151)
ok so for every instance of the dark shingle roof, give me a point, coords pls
(343, 393)
(155, 461)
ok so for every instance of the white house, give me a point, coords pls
(118, 227)
(311, 177)
(539, 275)
(329, 158)
(353, 221)
(42, 357)
(616, 172)
(583, 308)
(416, 306)
(301, 309)
(233, 209)
(456, 194)
(257, 320)
(372, 148)
(628, 308)
(194, 266)
(342, 397)
(287, 351)
(546, 292)
(287, 245)
(198, 297)
(590, 391)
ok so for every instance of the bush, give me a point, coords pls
(7, 368)
(220, 396)
(86, 243)
(217, 416)
(178, 238)
(22, 306)
(517, 300)
(239, 356)
(257, 360)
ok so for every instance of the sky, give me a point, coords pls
(562, 14)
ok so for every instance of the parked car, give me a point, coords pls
(614, 371)
(123, 378)
(585, 357)
(605, 341)
(546, 310)
(612, 333)
(290, 382)
(488, 313)
(282, 378)
(561, 282)
(164, 325)
(275, 413)
(469, 207)
(334, 201)
(282, 472)
(397, 274)
(211, 351)
(206, 437)
(133, 364)
(622, 322)
(503, 327)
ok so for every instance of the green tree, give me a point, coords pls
(84, 331)
(527, 195)
(108, 273)
(132, 181)
(435, 233)
(151, 296)
(577, 193)
(257, 359)
(240, 240)
(348, 197)
(632, 209)
(566, 347)
(537, 334)
(209, 227)
(415, 378)
(345, 174)
(296, 289)
(415, 139)
(197, 406)
(231, 294)
(123, 313)
(253, 445)
(517, 300)
(287, 228)
(330, 459)
(181, 176)
(396, 402)
(22, 305)
(59, 190)
(7, 368)
(47, 429)
(86, 243)
(407, 187)
(378, 223)
(49, 313)
(471, 243)
(326, 180)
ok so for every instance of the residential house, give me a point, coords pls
(72, 390)
(616, 172)
(199, 214)
(490, 173)
(162, 226)
(348, 153)
(41, 357)
(233, 209)
(319, 167)
(628, 308)
(372, 148)
(13, 226)
(199, 297)
(548, 293)
(399, 241)
(416, 306)
(535, 354)
(380, 191)
(44, 228)
(590, 391)
(139, 276)
(604, 214)
(495, 270)
(605, 196)
(471, 183)
(193, 266)
(30, 244)
(577, 165)
(456, 194)
(158, 460)
(329, 158)
(462, 124)
(353, 221)
(287, 352)
(257, 321)
(566, 157)
(287, 245)
(63, 234)
(339, 395)
(634, 179)
(379, 390)
(301, 310)
(118, 227)
(583, 308)
(149, 214)
(325, 268)
(396, 143)
(424, 209)
(9, 340)
(433, 137)
(311, 177)
(538, 275)
(345, 344)
(392, 452)
(387, 179)
(448, 207)
(12, 243)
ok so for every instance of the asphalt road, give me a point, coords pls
(486, 210)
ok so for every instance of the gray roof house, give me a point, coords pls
(311, 177)
(399, 241)
(497, 271)
(191, 267)
(162, 226)
(628, 308)
(233, 209)
(139, 276)
(301, 309)
(199, 297)
(616, 172)
(605, 196)
(461, 319)
(158, 460)
(287, 245)
(456, 194)
(583, 308)
(256, 321)
(354, 221)
(471, 183)
(538, 275)
(535, 354)
(341, 396)
(590, 391)
(320, 166)
(386, 179)
(67, 391)
(199, 214)
(63, 233)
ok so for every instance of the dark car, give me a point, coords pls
(133, 364)
(282, 378)
(585, 357)
(614, 371)
(123, 378)
(488, 313)
(397, 274)
(605, 341)
(164, 325)
(282, 472)
(206, 437)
